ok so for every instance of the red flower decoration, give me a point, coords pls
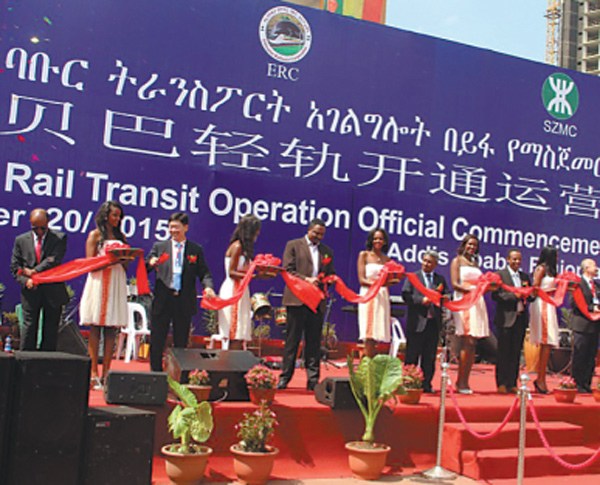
(325, 260)
(192, 258)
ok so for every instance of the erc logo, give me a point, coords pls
(560, 96)
(285, 34)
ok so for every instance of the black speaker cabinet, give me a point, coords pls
(147, 388)
(118, 446)
(50, 398)
(335, 392)
(70, 339)
(6, 389)
(226, 369)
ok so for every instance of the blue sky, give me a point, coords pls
(515, 27)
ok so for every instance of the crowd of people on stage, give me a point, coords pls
(179, 263)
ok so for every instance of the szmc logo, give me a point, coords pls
(285, 34)
(560, 96)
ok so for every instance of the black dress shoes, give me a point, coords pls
(282, 385)
(310, 386)
(583, 390)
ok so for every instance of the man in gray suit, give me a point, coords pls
(511, 320)
(175, 289)
(35, 251)
(424, 320)
(586, 331)
(306, 258)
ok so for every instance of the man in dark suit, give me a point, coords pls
(511, 320)
(585, 331)
(306, 258)
(35, 251)
(175, 289)
(424, 320)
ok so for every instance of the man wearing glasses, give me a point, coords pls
(35, 251)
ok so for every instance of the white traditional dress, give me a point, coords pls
(473, 322)
(374, 316)
(543, 319)
(104, 298)
(235, 321)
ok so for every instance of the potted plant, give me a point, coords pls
(566, 390)
(596, 392)
(412, 384)
(199, 384)
(373, 383)
(261, 384)
(253, 457)
(192, 423)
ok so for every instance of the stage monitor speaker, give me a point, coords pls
(226, 369)
(118, 446)
(143, 388)
(6, 389)
(335, 392)
(70, 339)
(50, 398)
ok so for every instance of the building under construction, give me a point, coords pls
(579, 46)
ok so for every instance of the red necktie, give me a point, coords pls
(38, 249)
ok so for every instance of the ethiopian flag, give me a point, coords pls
(373, 10)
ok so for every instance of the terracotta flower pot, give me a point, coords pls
(565, 395)
(186, 469)
(366, 460)
(253, 468)
(257, 395)
(202, 393)
(596, 393)
(412, 396)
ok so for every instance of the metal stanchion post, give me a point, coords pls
(438, 472)
(523, 396)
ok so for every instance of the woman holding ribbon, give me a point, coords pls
(374, 316)
(104, 299)
(471, 323)
(543, 320)
(235, 321)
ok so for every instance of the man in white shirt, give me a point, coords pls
(585, 331)
(511, 320)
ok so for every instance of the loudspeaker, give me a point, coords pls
(148, 388)
(226, 369)
(118, 446)
(70, 339)
(6, 389)
(335, 392)
(50, 398)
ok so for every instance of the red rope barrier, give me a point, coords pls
(481, 436)
(558, 459)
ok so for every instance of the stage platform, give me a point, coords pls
(311, 435)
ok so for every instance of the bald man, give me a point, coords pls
(35, 251)
(585, 331)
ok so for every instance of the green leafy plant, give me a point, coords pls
(211, 321)
(257, 429)
(189, 421)
(373, 383)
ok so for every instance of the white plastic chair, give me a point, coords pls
(130, 336)
(397, 337)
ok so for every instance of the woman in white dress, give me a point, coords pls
(374, 316)
(471, 324)
(104, 300)
(543, 319)
(235, 321)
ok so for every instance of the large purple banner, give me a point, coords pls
(221, 108)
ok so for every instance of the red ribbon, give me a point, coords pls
(78, 267)
(261, 261)
(389, 268)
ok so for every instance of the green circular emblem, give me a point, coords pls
(560, 96)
